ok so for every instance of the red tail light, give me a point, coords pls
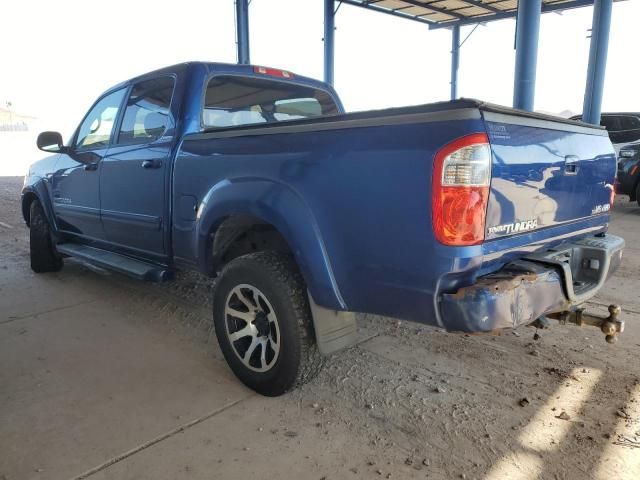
(461, 178)
(274, 72)
(612, 198)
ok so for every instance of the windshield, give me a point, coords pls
(233, 100)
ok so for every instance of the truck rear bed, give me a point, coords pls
(358, 187)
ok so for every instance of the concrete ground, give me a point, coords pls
(102, 377)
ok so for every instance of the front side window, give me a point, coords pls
(629, 122)
(622, 128)
(630, 129)
(146, 116)
(610, 122)
(95, 130)
(234, 100)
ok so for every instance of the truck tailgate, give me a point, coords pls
(545, 171)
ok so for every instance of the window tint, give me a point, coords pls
(233, 100)
(146, 116)
(609, 122)
(297, 108)
(629, 122)
(96, 128)
(622, 128)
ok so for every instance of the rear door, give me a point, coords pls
(545, 172)
(134, 178)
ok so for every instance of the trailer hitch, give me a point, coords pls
(610, 325)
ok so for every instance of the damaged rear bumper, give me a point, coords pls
(555, 280)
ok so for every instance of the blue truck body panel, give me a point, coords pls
(530, 178)
(350, 194)
(335, 185)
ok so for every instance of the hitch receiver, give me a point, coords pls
(610, 325)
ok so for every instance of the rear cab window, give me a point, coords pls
(232, 100)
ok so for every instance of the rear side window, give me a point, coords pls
(629, 129)
(622, 128)
(631, 123)
(146, 116)
(234, 100)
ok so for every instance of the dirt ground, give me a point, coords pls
(103, 377)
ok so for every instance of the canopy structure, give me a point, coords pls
(449, 13)
(453, 14)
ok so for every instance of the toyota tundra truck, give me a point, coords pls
(463, 215)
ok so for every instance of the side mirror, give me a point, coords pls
(50, 142)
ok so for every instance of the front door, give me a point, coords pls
(135, 172)
(76, 181)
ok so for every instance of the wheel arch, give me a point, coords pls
(27, 199)
(239, 234)
(31, 193)
(233, 208)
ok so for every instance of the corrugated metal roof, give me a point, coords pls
(446, 13)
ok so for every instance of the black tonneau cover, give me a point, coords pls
(453, 107)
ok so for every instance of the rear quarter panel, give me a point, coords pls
(367, 192)
(354, 203)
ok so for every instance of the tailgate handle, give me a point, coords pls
(571, 164)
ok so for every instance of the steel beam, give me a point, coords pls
(429, 6)
(478, 3)
(527, 31)
(242, 31)
(455, 60)
(597, 61)
(329, 38)
(394, 13)
(546, 8)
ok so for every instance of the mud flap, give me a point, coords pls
(334, 329)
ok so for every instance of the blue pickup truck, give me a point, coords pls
(464, 215)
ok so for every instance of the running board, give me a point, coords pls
(113, 261)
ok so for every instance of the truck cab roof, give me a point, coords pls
(200, 70)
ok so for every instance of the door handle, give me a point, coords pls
(90, 167)
(151, 164)
(571, 164)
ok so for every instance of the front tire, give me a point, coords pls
(638, 193)
(263, 323)
(44, 257)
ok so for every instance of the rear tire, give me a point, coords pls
(263, 323)
(638, 193)
(44, 257)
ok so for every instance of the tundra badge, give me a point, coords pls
(516, 227)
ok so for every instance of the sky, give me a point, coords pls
(55, 63)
